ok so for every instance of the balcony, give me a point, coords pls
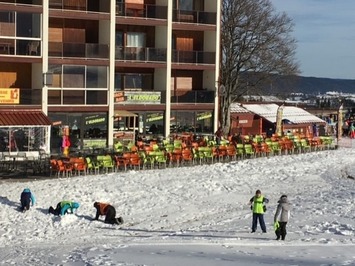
(190, 96)
(20, 47)
(193, 57)
(80, 50)
(141, 11)
(140, 54)
(195, 96)
(198, 17)
(102, 6)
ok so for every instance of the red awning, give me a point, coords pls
(23, 118)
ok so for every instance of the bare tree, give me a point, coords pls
(256, 43)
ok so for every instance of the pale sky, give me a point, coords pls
(325, 34)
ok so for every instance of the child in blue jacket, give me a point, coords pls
(27, 199)
(63, 207)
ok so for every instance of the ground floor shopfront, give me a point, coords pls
(90, 129)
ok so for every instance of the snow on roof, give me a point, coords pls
(237, 108)
(293, 114)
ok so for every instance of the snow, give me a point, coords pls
(189, 215)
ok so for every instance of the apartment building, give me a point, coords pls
(105, 68)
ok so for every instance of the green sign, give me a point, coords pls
(203, 116)
(142, 97)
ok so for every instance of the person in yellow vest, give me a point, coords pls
(258, 207)
(109, 211)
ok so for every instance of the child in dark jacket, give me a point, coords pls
(27, 199)
(109, 211)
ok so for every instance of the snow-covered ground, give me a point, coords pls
(189, 215)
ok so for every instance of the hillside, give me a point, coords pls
(312, 85)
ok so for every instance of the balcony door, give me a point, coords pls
(135, 45)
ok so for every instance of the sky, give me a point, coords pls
(325, 32)
(191, 215)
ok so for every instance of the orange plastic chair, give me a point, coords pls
(187, 156)
(123, 160)
(135, 161)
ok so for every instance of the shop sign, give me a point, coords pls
(9, 96)
(154, 117)
(138, 97)
(97, 143)
(203, 116)
(94, 120)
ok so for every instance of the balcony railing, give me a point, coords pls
(199, 17)
(190, 96)
(193, 57)
(20, 47)
(102, 6)
(84, 50)
(143, 11)
(141, 54)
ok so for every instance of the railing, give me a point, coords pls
(20, 47)
(190, 96)
(141, 54)
(199, 17)
(102, 6)
(30, 96)
(159, 55)
(194, 57)
(84, 50)
(143, 11)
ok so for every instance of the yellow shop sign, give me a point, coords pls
(9, 96)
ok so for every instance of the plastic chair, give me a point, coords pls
(232, 152)
(249, 151)
(91, 167)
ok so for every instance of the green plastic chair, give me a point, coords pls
(91, 166)
(305, 146)
(249, 151)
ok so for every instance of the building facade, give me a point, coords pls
(85, 63)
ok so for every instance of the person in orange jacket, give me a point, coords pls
(109, 211)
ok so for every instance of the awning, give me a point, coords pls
(23, 118)
(124, 113)
(294, 114)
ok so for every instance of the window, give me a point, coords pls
(28, 25)
(96, 77)
(135, 39)
(186, 5)
(133, 81)
(119, 38)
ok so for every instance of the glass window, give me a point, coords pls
(7, 24)
(119, 38)
(96, 77)
(135, 39)
(73, 97)
(96, 97)
(28, 25)
(73, 76)
(54, 96)
(118, 82)
(133, 81)
(186, 5)
(154, 123)
(56, 76)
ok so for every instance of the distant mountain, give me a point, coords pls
(310, 85)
